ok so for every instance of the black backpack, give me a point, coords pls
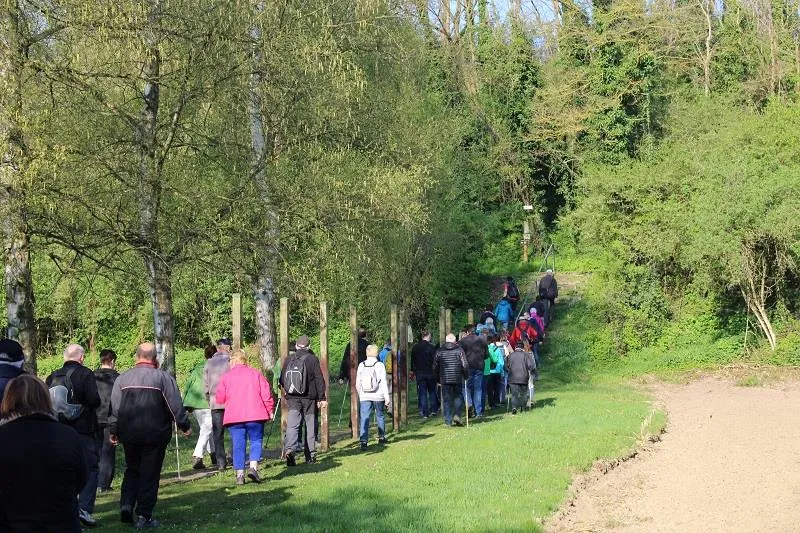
(62, 394)
(513, 291)
(295, 381)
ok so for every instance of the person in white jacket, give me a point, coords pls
(373, 392)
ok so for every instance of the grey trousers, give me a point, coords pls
(301, 410)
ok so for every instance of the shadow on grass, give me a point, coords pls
(544, 402)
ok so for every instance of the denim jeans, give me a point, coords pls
(475, 391)
(452, 401)
(240, 434)
(426, 396)
(366, 411)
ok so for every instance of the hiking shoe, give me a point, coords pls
(363, 445)
(457, 420)
(311, 459)
(383, 440)
(240, 480)
(290, 460)
(198, 464)
(86, 518)
(213, 459)
(147, 523)
(514, 411)
(126, 515)
(253, 475)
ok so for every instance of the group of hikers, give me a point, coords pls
(67, 429)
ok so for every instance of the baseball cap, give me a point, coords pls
(303, 341)
(10, 351)
(224, 342)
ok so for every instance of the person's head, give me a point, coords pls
(238, 357)
(549, 271)
(493, 338)
(534, 311)
(426, 336)
(362, 332)
(519, 346)
(224, 345)
(11, 353)
(108, 358)
(209, 351)
(522, 322)
(146, 353)
(74, 352)
(510, 279)
(372, 351)
(25, 395)
(302, 342)
(450, 338)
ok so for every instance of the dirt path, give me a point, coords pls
(729, 461)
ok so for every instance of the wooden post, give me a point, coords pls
(403, 350)
(284, 325)
(323, 361)
(236, 319)
(448, 320)
(395, 381)
(442, 326)
(470, 316)
(353, 370)
(526, 238)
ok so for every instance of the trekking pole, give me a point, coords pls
(346, 392)
(272, 425)
(177, 451)
(466, 403)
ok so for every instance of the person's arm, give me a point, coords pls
(116, 397)
(319, 379)
(344, 367)
(206, 389)
(266, 395)
(464, 364)
(435, 366)
(173, 398)
(91, 398)
(387, 398)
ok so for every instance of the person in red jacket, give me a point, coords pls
(523, 332)
(248, 401)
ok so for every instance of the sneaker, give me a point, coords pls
(198, 464)
(382, 440)
(213, 459)
(457, 420)
(311, 459)
(514, 411)
(240, 480)
(147, 523)
(86, 518)
(126, 515)
(253, 475)
(363, 445)
(290, 460)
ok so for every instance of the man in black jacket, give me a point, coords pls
(105, 376)
(422, 355)
(304, 387)
(84, 392)
(548, 289)
(450, 364)
(477, 351)
(344, 368)
(145, 402)
(11, 361)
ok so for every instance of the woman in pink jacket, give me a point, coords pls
(248, 404)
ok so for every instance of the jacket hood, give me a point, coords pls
(450, 346)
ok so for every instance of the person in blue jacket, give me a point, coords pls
(504, 312)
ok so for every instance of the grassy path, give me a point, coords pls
(505, 473)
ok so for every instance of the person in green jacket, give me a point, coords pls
(194, 400)
(494, 367)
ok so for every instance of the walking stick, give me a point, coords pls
(272, 425)
(346, 392)
(177, 451)
(466, 405)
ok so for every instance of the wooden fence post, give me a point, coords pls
(236, 319)
(353, 370)
(323, 360)
(284, 325)
(470, 316)
(403, 351)
(442, 326)
(448, 321)
(395, 369)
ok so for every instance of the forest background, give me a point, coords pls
(158, 156)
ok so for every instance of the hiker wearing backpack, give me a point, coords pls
(476, 350)
(504, 312)
(212, 372)
(494, 371)
(511, 293)
(487, 313)
(548, 289)
(422, 355)
(373, 393)
(145, 403)
(304, 387)
(195, 402)
(538, 324)
(524, 333)
(73, 390)
(344, 368)
(450, 364)
(105, 376)
(521, 365)
(11, 360)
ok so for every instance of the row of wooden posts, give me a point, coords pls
(398, 321)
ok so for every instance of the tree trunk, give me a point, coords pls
(158, 277)
(265, 319)
(16, 239)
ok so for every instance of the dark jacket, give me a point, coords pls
(344, 368)
(42, 469)
(105, 378)
(450, 364)
(422, 355)
(315, 383)
(476, 350)
(85, 389)
(548, 287)
(7, 373)
(519, 365)
(144, 403)
(485, 315)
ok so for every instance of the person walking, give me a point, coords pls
(248, 401)
(450, 364)
(372, 394)
(548, 289)
(344, 368)
(145, 402)
(511, 293)
(81, 389)
(304, 387)
(520, 364)
(105, 376)
(495, 364)
(11, 360)
(214, 367)
(195, 402)
(476, 350)
(422, 355)
(504, 312)
(42, 464)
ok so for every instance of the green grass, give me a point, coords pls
(504, 473)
